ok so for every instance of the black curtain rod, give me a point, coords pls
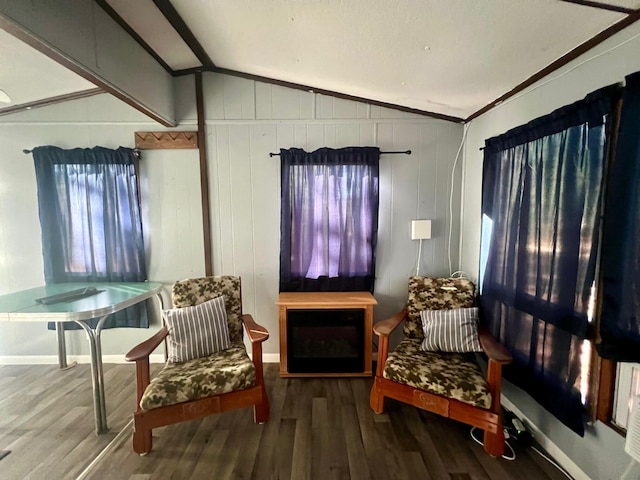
(136, 152)
(405, 152)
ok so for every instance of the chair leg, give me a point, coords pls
(142, 439)
(494, 442)
(261, 410)
(376, 400)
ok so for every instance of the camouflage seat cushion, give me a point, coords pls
(225, 371)
(453, 375)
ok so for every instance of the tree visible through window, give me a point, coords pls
(329, 219)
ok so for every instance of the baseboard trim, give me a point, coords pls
(545, 442)
(53, 359)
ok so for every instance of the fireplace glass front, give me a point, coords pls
(327, 340)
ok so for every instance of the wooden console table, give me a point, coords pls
(326, 302)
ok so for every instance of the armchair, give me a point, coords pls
(187, 390)
(449, 384)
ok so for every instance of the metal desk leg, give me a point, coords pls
(97, 376)
(62, 348)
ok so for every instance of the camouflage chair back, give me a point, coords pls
(449, 383)
(190, 388)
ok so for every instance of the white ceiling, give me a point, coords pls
(450, 57)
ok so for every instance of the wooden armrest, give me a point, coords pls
(385, 327)
(494, 350)
(255, 332)
(144, 349)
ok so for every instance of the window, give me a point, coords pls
(542, 196)
(329, 219)
(619, 327)
(90, 219)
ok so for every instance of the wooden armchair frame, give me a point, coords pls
(488, 420)
(144, 421)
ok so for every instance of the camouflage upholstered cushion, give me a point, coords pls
(429, 293)
(454, 375)
(194, 291)
(225, 371)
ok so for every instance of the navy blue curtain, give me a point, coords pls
(541, 201)
(329, 219)
(89, 210)
(620, 317)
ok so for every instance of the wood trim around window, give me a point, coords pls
(606, 394)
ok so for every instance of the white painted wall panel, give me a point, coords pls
(242, 213)
(185, 92)
(244, 190)
(245, 187)
(220, 199)
(382, 113)
(274, 101)
(239, 96)
(265, 204)
(264, 103)
(324, 107)
(348, 135)
(171, 211)
(172, 214)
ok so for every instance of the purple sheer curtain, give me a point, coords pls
(329, 219)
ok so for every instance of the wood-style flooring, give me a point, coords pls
(319, 429)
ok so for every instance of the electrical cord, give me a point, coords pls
(419, 259)
(552, 462)
(453, 172)
(459, 274)
(512, 453)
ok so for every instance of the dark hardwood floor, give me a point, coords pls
(319, 429)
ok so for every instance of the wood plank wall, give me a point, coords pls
(247, 120)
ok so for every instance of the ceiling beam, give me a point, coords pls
(45, 102)
(602, 6)
(561, 62)
(176, 21)
(120, 21)
(34, 23)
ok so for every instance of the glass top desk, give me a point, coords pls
(22, 307)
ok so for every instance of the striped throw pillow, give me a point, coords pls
(197, 331)
(453, 330)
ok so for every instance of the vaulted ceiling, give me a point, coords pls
(448, 58)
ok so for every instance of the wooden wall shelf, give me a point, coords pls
(166, 140)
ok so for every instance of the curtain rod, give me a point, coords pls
(136, 152)
(405, 152)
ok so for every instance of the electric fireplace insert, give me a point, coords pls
(325, 340)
